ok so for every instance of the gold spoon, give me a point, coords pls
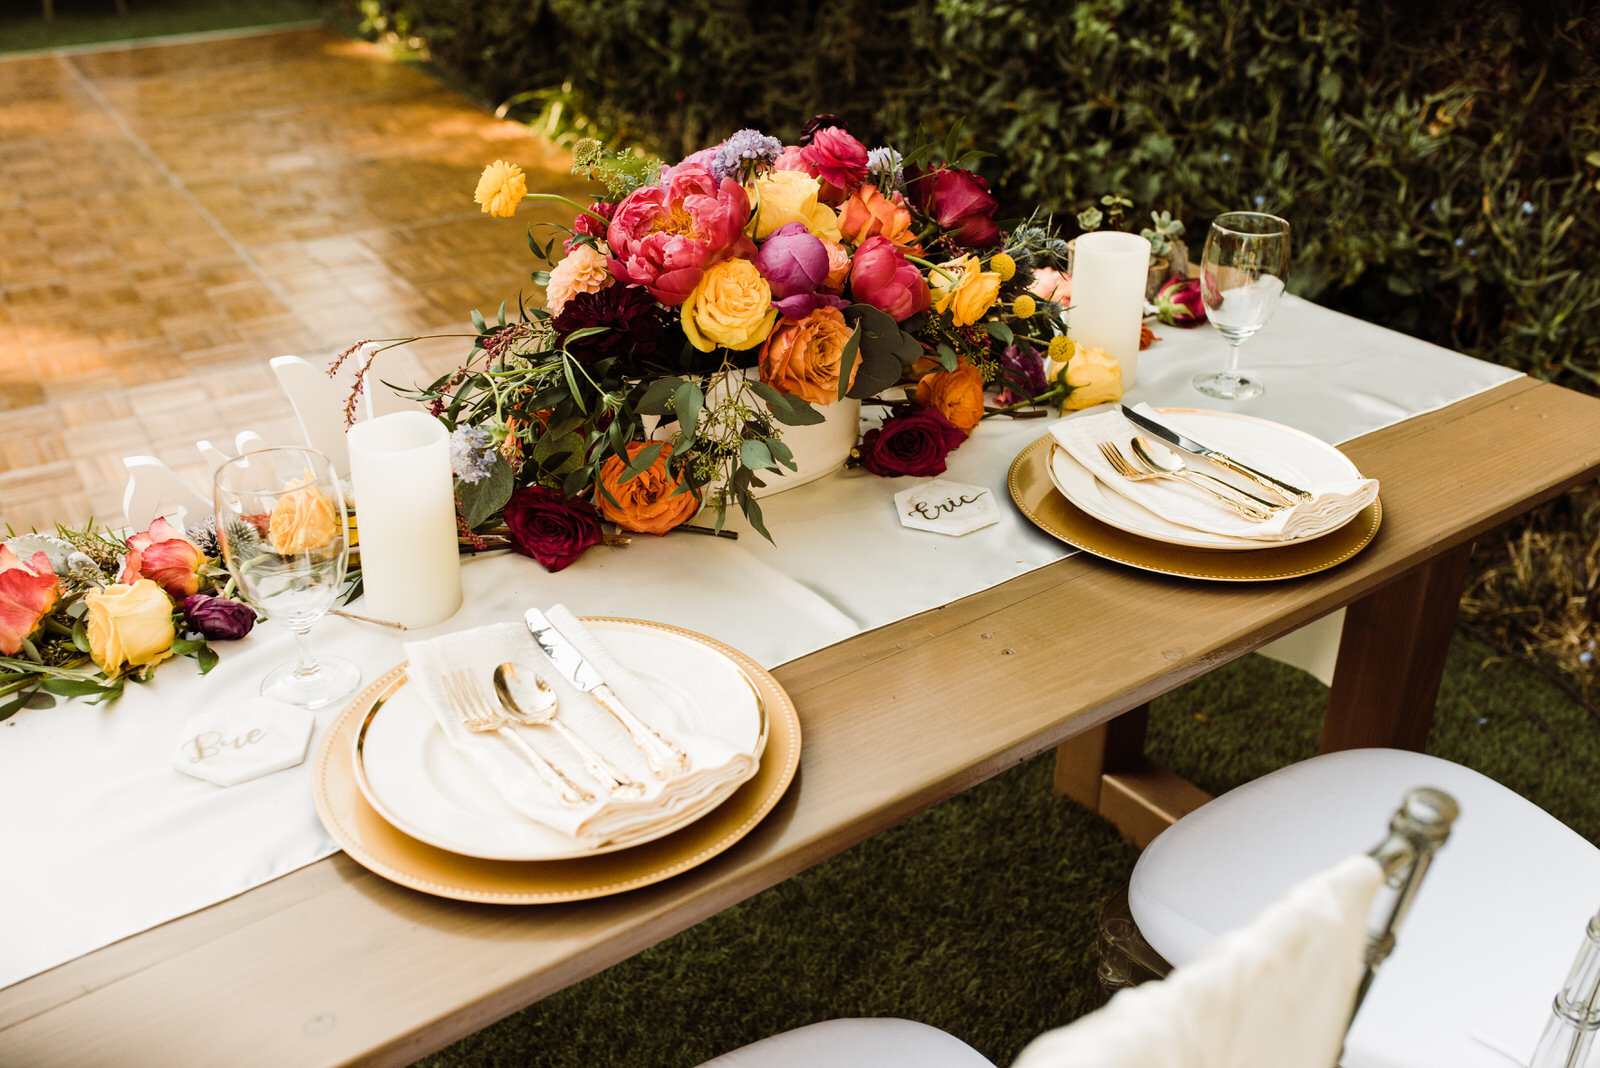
(543, 714)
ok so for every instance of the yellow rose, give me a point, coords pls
(963, 288)
(303, 519)
(783, 197)
(1095, 377)
(500, 188)
(129, 625)
(732, 307)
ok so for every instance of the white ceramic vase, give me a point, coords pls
(819, 449)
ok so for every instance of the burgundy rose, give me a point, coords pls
(628, 314)
(552, 528)
(792, 260)
(218, 618)
(959, 201)
(913, 441)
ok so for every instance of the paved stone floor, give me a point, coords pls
(173, 216)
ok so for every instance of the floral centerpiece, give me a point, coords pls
(694, 311)
(82, 613)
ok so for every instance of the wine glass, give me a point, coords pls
(281, 528)
(1241, 279)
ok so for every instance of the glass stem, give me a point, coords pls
(1233, 361)
(306, 661)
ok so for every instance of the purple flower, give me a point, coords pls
(792, 260)
(1023, 369)
(745, 148)
(218, 618)
(472, 453)
(801, 305)
(627, 312)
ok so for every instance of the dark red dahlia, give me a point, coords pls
(628, 314)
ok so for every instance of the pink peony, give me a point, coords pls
(837, 158)
(882, 277)
(1051, 284)
(663, 237)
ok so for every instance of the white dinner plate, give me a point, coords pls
(410, 773)
(1296, 454)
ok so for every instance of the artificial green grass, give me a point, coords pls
(978, 916)
(77, 23)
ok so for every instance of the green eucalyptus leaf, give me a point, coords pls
(847, 361)
(656, 396)
(687, 401)
(642, 461)
(207, 659)
(755, 455)
(482, 499)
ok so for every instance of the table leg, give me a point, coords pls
(1391, 658)
(1105, 770)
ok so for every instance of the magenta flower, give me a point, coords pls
(880, 275)
(836, 157)
(1178, 302)
(792, 260)
(663, 237)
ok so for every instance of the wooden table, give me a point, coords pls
(332, 964)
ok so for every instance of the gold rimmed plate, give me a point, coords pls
(378, 845)
(1037, 498)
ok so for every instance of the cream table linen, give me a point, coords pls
(103, 839)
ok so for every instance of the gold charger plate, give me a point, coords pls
(378, 846)
(1038, 499)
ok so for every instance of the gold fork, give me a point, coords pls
(1119, 463)
(478, 715)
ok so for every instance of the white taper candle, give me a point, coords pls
(1109, 270)
(406, 518)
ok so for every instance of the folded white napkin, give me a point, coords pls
(1333, 503)
(714, 765)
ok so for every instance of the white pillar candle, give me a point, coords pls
(406, 518)
(1109, 270)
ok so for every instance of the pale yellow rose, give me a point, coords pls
(303, 519)
(784, 197)
(1095, 377)
(732, 307)
(129, 625)
(963, 288)
(501, 188)
(583, 270)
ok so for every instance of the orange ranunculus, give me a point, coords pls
(963, 288)
(957, 395)
(163, 555)
(650, 503)
(801, 357)
(27, 591)
(868, 213)
(129, 625)
(303, 519)
(838, 267)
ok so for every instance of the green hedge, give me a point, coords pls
(1440, 162)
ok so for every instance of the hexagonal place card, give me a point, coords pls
(228, 746)
(953, 508)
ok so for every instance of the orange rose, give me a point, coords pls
(957, 395)
(648, 504)
(303, 519)
(163, 555)
(802, 357)
(838, 267)
(868, 213)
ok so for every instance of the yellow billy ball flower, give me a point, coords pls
(1061, 349)
(1004, 266)
(500, 188)
(1023, 307)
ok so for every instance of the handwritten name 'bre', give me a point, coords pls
(209, 743)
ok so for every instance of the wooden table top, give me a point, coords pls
(332, 964)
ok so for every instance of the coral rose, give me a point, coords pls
(838, 267)
(552, 528)
(1095, 377)
(165, 556)
(1051, 284)
(732, 307)
(882, 277)
(129, 626)
(303, 520)
(957, 395)
(963, 288)
(663, 237)
(650, 503)
(802, 358)
(501, 188)
(28, 591)
(911, 442)
(783, 197)
(868, 213)
(583, 270)
(837, 158)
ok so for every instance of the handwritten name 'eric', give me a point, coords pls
(950, 505)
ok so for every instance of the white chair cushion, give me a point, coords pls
(881, 1042)
(1490, 935)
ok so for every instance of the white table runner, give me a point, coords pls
(103, 839)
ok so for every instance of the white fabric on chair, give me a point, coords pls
(879, 1042)
(1488, 939)
(1274, 993)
